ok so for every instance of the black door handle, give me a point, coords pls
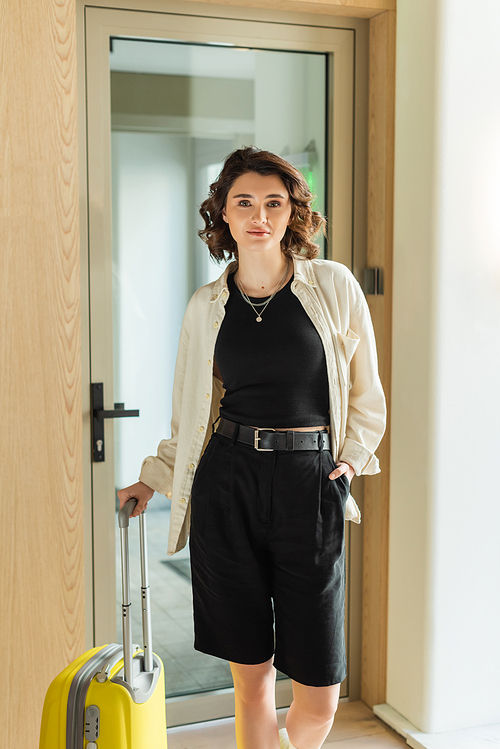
(98, 416)
(118, 412)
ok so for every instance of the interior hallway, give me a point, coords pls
(355, 727)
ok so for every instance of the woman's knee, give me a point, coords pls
(253, 683)
(318, 704)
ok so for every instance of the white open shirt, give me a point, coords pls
(334, 301)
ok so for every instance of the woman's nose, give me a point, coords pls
(259, 215)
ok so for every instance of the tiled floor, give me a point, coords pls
(186, 670)
(355, 727)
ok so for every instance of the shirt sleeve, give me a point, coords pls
(367, 411)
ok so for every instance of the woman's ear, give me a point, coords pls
(224, 216)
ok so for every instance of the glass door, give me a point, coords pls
(177, 108)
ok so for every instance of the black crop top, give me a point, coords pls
(274, 372)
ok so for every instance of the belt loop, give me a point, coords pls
(320, 441)
(235, 433)
(214, 423)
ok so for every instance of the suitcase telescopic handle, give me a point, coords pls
(123, 522)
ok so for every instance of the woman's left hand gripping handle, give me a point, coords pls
(138, 491)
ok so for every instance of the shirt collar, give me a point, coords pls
(303, 271)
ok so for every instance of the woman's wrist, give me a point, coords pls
(350, 472)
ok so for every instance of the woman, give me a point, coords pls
(277, 390)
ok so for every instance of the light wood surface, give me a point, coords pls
(353, 8)
(355, 727)
(41, 573)
(379, 254)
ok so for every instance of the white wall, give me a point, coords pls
(158, 262)
(290, 107)
(150, 286)
(444, 578)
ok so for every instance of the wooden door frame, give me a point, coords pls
(380, 212)
(381, 15)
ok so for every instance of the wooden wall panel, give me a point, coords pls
(41, 534)
(379, 254)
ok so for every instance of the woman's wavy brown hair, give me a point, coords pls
(304, 222)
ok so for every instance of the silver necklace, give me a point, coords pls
(262, 304)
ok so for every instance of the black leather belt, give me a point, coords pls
(267, 439)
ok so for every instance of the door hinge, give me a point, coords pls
(373, 281)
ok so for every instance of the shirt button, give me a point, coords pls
(214, 297)
(216, 324)
(209, 361)
(309, 281)
(191, 465)
(183, 500)
(207, 395)
(202, 429)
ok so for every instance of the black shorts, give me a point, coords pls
(268, 559)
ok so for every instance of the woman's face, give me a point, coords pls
(258, 212)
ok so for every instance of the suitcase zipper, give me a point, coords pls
(75, 716)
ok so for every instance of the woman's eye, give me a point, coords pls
(271, 204)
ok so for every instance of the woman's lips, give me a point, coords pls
(257, 233)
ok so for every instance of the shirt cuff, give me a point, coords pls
(359, 457)
(153, 475)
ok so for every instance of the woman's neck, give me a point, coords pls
(259, 274)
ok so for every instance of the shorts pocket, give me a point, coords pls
(201, 488)
(340, 485)
(330, 525)
(346, 481)
(210, 493)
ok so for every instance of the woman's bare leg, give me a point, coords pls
(255, 705)
(311, 714)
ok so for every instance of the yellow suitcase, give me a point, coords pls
(111, 697)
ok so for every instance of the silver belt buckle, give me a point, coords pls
(256, 439)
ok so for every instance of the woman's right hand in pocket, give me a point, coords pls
(140, 492)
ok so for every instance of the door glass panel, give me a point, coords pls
(177, 110)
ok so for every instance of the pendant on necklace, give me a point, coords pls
(259, 318)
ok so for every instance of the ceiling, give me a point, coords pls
(175, 58)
